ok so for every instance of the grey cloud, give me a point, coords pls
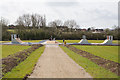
(86, 14)
(62, 4)
(105, 14)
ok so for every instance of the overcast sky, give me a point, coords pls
(87, 13)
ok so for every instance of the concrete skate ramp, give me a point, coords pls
(17, 41)
(107, 42)
(84, 41)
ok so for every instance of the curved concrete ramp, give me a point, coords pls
(17, 41)
(55, 63)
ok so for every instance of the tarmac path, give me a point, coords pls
(55, 63)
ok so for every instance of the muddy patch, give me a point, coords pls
(110, 65)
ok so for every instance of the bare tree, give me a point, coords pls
(3, 22)
(3, 26)
(24, 20)
(34, 20)
(20, 21)
(58, 22)
(43, 21)
(38, 20)
(55, 23)
(70, 24)
(92, 28)
(77, 26)
(27, 20)
(52, 24)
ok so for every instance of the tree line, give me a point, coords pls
(33, 27)
(39, 21)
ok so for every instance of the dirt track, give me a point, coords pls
(54, 63)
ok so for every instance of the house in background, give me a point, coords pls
(83, 30)
(97, 31)
(11, 26)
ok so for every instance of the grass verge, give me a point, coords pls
(31, 40)
(69, 41)
(23, 41)
(90, 41)
(25, 67)
(92, 68)
(11, 49)
(4, 41)
(106, 52)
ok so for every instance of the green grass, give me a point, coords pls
(90, 41)
(106, 52)
(31, 40)
(4, 41)
(90, 67)
(23, 41)
(0, 51)
(69, 41)
(1, 41)
(116, 41)
(95, 41)
(11, 49)
(26, 66)
(100, 41)
(12, 30)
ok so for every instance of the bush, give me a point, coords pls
(45, 33)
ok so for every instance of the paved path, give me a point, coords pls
(54, 63)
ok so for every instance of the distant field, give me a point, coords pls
(106, 52)
(90, 41)
(11, 30)
(31, 40)
(100, 41)
(23, 41)
(11, 49)
(68, 41)
(4, 41)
